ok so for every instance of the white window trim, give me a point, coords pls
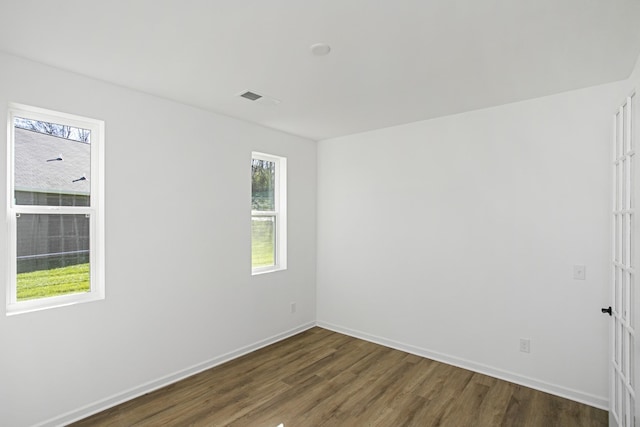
(280, 213)
(95, 210)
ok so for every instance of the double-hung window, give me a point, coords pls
(55, 209)
(268, 213)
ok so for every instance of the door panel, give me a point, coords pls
(622, 406)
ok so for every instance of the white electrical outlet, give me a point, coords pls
(525, 345)
(579, 272)
(293, 307)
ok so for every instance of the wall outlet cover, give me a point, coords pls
(579, 272)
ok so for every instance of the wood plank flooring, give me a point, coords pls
(322, 378)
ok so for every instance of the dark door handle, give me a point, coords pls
(606, 310)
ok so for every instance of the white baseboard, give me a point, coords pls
(578, 396)
(150, 386)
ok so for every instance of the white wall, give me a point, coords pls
(455, 237)
(180, 295)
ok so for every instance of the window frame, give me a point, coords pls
(279, 213)
(95, 210)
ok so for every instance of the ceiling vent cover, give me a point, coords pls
(265, 100)
(251, 96)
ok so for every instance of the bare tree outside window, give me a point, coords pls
(54, 129)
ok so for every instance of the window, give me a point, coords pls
(268, 213)
(55, 209)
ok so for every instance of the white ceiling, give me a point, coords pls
(392, 61)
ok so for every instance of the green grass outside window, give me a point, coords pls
(55, 282)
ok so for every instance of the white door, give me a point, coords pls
(622, 398)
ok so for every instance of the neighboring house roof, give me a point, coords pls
(34, 173)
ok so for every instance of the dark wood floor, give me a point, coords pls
(322, 378)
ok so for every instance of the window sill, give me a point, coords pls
(264, 270)
(31, 306)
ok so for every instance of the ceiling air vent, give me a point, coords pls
(251, 96)
(265, 100)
